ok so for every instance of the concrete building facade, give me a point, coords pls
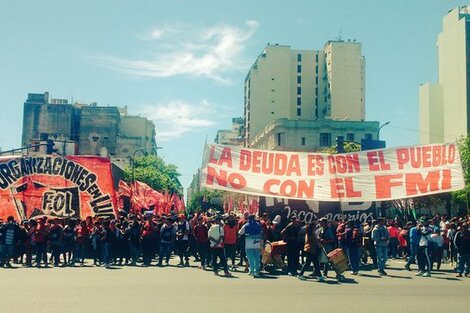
(304, 135)
(304, 85)
(444, 107)
(92, 129)
(232, 137)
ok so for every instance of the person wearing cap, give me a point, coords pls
(216, 238)
(380, 237)
(438, 251)
(182, 240)
(291, 236)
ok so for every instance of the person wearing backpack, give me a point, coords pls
(167, 239)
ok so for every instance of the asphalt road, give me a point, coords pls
(181, 290)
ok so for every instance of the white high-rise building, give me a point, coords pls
(443, 107)
(305, 85)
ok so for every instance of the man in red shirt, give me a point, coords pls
(40, 236)
(82, 234)
(230, 239)
(202, 241)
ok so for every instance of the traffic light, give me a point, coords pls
(340, 144)
(50, 146)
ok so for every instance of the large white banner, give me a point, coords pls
(374, 175)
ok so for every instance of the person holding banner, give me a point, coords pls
(380, 236)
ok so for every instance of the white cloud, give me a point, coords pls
(211, 52)
(175, 118)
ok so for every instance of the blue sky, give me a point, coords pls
(182, 63)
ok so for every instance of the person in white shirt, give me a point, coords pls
(438, 251)
(216, 238)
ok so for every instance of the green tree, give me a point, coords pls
(204, 195)
(153, 171)
(348, 147)
(460, 198)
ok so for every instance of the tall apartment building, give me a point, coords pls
(310, 86)
(444, 106)
(90, 129)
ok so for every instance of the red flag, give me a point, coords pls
(241, 207)
(124, 189)
(230, 204)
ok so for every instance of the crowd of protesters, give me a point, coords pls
(229, 242)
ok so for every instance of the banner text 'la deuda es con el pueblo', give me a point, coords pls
(373, 175)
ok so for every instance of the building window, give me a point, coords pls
(368, 136)
(299, 58)
(299, 68)
(299, 90)
(303, 141)
(325, 140)
(299, 111)
(279, 138)
(299, 101)
(299, 79)
(316, 80)
(350, 136)
(316, 57)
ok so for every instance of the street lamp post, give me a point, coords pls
(378, 131)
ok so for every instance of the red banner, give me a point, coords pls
(56, 186)
(374, 175)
